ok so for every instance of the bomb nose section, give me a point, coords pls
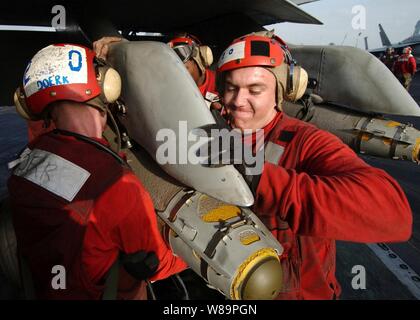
(264, 282)
(260, 277)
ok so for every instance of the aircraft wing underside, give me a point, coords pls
(158, 15)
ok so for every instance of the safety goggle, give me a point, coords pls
(184, 51)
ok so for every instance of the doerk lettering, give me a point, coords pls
(75, 64)
(69, 63)
(52, 81)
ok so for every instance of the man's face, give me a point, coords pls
(193, 70)
(250, 97)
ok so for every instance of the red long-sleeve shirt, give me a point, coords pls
(208, 88)
(133, 228)
(406, 63)
(320, 192)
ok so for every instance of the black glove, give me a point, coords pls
(227, 148)
(141, 265)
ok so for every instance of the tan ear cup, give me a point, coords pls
(206, 56)
(110, 82)
(203, 56)
(21, 107)
(280, 73)
(300, 83)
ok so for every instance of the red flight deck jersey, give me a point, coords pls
(208, 88)
(321, 191)
(406, 63)
(110, 212)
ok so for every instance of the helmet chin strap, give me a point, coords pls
(117, 130)
(290, 78)
(99, 105)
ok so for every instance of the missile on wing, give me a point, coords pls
(354, 78)
(366, 134)
(349, 90)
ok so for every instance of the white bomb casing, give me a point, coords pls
(228, 246)
(160, 94)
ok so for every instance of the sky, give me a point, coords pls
(398, 18)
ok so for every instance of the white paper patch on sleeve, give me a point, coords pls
(234, 52)
(52, 172)
(210, 96)
(55, 65)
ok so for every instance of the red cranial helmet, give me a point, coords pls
(65, 72)
(188, 47)
(264, 49)
(408, 50)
